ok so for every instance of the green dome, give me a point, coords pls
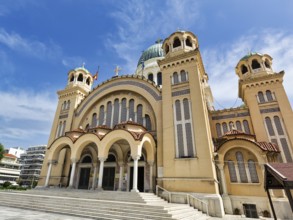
(152, 52)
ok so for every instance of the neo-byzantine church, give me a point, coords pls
(159, 127)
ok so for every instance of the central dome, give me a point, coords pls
(152, 52)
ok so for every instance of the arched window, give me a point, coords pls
(246, 127)
(101, 115)
(64, 105)
(151, 77)
(80, 78)
(278, 125)
(72, 78)
(241, 167)
(267, 64)
(219, 131)
(225, 128)
(261, 97)
(148, 123)
(109, 114)
(183, 76)
(188, 42)
(231, 126)
(88, 81)
(94, 120)
(68, 104)
(123, 110)
(167, 49)
(58, 134)
(176, 42)
(111, 158)
(252, 171)
(178, 110)
(186, 109)
(139, 114)
(63, 128)
(232, 171)
(244, 69)
(175, 78)
(131, 109)
(238, 126)
(159, 78)
(269, 95)
(116, 112)
(269, 126)
(255, 64)
(86, 159)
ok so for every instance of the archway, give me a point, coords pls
(85, 172)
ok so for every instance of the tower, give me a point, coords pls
(79, 84)
(261, 89)
(188, 147)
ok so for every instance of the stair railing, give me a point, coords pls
(191, 200)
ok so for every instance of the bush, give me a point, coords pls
(6, 184)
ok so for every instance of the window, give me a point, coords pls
(94, 120)
(148, 123)
(72, 78)
(241, 167)
(225, 128)
(232, 171)
(176, 42)
(250, 210)
(261, 98)
(244, 69)
(116, 112)
(88, 81)
(267, 64)
(123, 110)
(246, 127)
(269, 126)
(86, 159)
(269, 95)
(178, 110)
(80, 78)
(159, 78)
(166, 49)
(139, 114)
(109, 114)
(219, 131)
(151, 77)
(175, 78)
(252, 171)
(255, 64)
(238, 126)
(186, 109)
(131, 109)
(188, 42)
(101, 115)
(63, 128)
(183, 76)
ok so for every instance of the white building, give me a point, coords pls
(9, 169)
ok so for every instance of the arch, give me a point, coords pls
(269, 95)
(86, 159)
(244, 69)
(88, 81)
(151, 77)
(55, 148)
(167, 49)
(188, 42)
(118, 152)
(159, 78)
(72, 78)
(255, 64)
(148, 143)
(175, 78)
(261, 97)
(80, 77)
(94, 120)
(183, 76)
(86, 140)
(267, 63)
(176, 42)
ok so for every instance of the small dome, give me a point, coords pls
(152, 52)
(250, 54)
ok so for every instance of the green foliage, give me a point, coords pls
(1, 151)
(6, 184)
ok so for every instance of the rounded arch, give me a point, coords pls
(118, 152)
(149, 144)
(176, 42)
(55, 148)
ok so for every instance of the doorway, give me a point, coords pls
(140, 179)
(108, 178)
(84, 178)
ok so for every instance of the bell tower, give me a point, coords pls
(188, 147)
(79, 84)
(262, 90)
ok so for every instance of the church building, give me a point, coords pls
(158, 126)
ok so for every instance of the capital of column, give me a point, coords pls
(150, 163)
(120, 163)
(52, 162)
(220, 166)
(74, 160)
(102, 159)
(135, 157)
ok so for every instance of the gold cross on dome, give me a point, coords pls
(117, 70)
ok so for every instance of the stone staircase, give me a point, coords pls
(99, 205)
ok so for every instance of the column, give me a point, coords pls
(95, 176)
(101, 170)
(48, 173)
(72, 173)
(121, 171)
(223, 179)
(135, 169)
(151, 163)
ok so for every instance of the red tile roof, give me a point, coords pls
(285, 170)
(9, 155)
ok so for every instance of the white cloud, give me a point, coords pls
(32, 47)
(220, 62)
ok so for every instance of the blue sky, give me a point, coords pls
(40, 41)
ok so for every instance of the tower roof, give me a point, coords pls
(153, 51)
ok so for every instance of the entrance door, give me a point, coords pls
(84, 178)
(140, 179)
(108, 178)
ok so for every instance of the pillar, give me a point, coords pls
(135, 169)
(101, 170)
(95, 175)
(151, 163)
(48, 173)
(72, 173)
(223, 179)
(121, 171)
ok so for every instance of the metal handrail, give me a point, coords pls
(188, 197)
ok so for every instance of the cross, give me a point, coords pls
(116, 70)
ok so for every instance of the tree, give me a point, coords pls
(1, 151)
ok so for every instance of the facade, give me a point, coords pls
(16, 151)
(9, 169)
(159, 127)
(31, 164)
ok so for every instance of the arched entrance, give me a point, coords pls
(109, 173)
(85, 172)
